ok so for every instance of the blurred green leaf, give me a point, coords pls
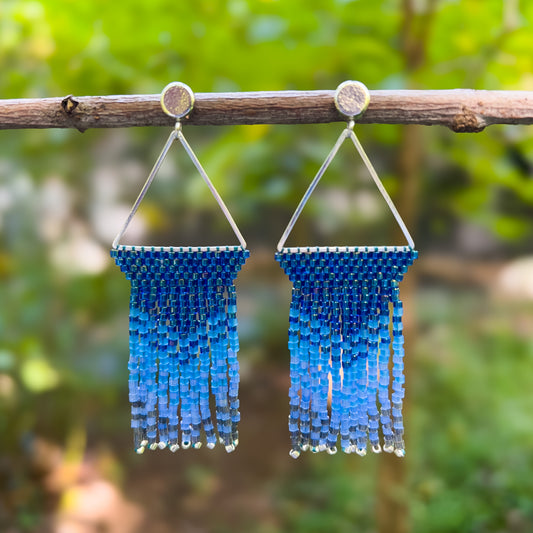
(38, 375)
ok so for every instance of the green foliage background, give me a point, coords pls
(63, 348)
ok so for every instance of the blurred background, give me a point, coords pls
(66, 458)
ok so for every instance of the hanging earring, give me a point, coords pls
(345, 320)
(183, 324)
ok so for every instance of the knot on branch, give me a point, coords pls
(467, 122)
(69, 104)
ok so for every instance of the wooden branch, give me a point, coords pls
(462, 110)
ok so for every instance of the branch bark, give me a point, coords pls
(462, 110)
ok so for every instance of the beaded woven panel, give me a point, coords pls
(183, 345)
(345, 321)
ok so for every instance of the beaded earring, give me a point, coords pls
(183, 325)
(345, 320)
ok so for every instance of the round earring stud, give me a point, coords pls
(177, 99)
(352, 98)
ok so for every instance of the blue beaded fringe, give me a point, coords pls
(340, 338)
(183, 345)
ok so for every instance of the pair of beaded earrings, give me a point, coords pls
(345, 321)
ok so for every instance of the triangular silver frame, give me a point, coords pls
(180, 108)
(346, 133)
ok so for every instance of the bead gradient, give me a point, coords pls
(183, 345)
(345, 321)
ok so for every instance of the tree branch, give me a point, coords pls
(462, 110)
